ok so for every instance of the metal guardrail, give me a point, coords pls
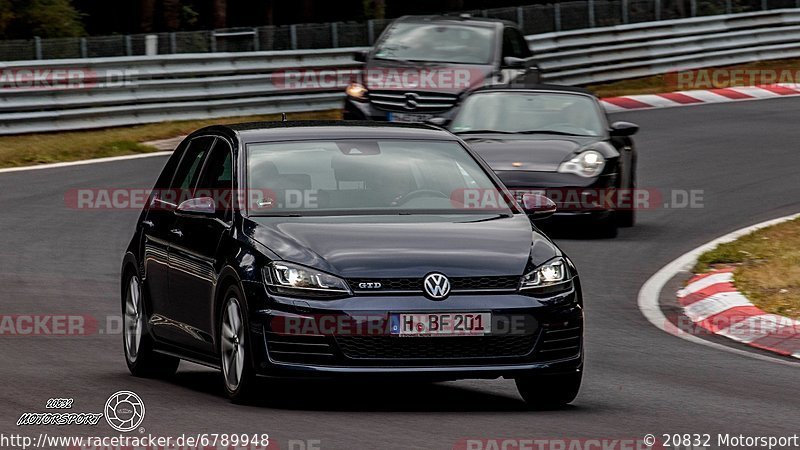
(135, 90)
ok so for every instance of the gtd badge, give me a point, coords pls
(437, 286)
(371, 285)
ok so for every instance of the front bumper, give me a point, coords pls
(575, 196)
(547, 338)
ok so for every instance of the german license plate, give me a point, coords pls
(441, 324)
(408, 117)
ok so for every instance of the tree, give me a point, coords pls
(22, 19)
(219, 9)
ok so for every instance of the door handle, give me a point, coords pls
(176, 232)
(148, 223)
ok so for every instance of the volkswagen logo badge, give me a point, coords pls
(437, 286)
(412, 100)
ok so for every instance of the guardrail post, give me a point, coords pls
(212, 42)
(256, 41)
(128, 45)
(293, 36)
(173, 43)
(657, 7)
(625, 18)
(334, 35)
(371, 31)
(693, 8)
(729, 6)
(590, 5)
(521, 18)
(151, 45)
(764, 5)
(37, 47)
(557, 16)
(84, 48)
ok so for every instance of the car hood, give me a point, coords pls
(541, 153)
(405, 245)
(385, 75)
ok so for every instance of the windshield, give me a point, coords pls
(456, 44)
(516, 112)
(365, 176)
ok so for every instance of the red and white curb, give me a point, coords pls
(712, 302)
(699, 97)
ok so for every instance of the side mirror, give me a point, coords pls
(361, 56)
(200, 206)
(438, 121)
(538, 206)
(511, 62)
(623, 129)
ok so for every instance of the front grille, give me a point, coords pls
(299, 348)
(560, 342)
(414, 285)
(412, 102)
(460, 347)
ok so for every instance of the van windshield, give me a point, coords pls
(455, 44)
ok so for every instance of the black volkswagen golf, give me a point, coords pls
(328, 249)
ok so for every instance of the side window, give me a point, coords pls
(189, 168)
(216, 179)
(514, 44)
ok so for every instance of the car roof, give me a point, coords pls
(536, 88)
(330, 129)
(468, 20)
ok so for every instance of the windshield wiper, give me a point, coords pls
(563, 133)
(483, 132)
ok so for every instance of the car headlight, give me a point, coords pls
(295, 280)
(356, 91)
(586, 164)
(548, 274)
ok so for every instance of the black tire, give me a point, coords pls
(626, 218)
(606, 228)
(549, 391)
(141, 358)
(235, 341)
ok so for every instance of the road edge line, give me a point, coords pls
(84, 162)
(650, 292)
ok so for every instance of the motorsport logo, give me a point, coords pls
(124, 411)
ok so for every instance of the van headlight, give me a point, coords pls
(586, 164)
(356, 91)
(291, 279)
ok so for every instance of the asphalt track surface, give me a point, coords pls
(638, 380)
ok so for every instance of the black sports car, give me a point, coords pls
(555, 140)
(333, 249)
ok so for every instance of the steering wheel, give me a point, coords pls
(405, 198)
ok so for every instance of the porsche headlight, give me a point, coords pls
(295, 280)
(586, 164)
(356, 91)
(551, 273)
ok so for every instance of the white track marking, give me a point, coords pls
(650, 293)
(84, 162)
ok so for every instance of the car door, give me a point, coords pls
(193, 255)
(160, 234)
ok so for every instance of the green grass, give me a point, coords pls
(42, 148)
(767, 267)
